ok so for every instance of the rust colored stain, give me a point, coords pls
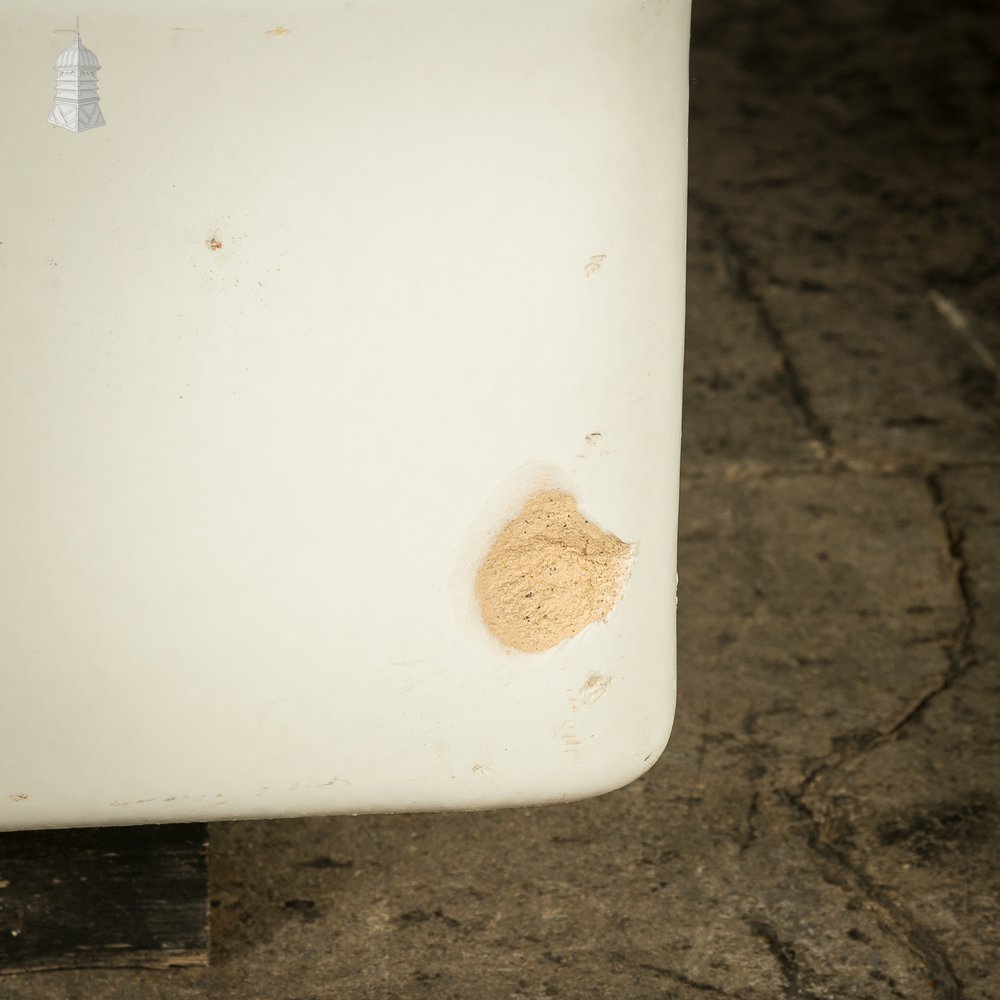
(213, 244)
(277, 31)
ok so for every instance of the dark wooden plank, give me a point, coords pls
(112, 897)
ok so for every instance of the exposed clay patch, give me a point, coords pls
(549, 574)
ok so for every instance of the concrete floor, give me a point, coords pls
(824, 822)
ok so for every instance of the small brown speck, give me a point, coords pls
(277, 31)
(18, 797)
(214, 243)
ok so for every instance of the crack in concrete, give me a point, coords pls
(750, 834)
(743, 289)
(958, 649)
(679, 977)
(961, 649)
(784, 955)
(840, 871)
(752, 471)
(837, 867)
(800, 395)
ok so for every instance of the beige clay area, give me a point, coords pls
(549, 574)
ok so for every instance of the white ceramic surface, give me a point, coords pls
(282, 345)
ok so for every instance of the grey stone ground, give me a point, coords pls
(824, 822)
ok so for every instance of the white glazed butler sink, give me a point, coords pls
(340, 365)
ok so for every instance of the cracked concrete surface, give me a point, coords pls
(824, 822)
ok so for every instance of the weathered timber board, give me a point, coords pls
(109, 897)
